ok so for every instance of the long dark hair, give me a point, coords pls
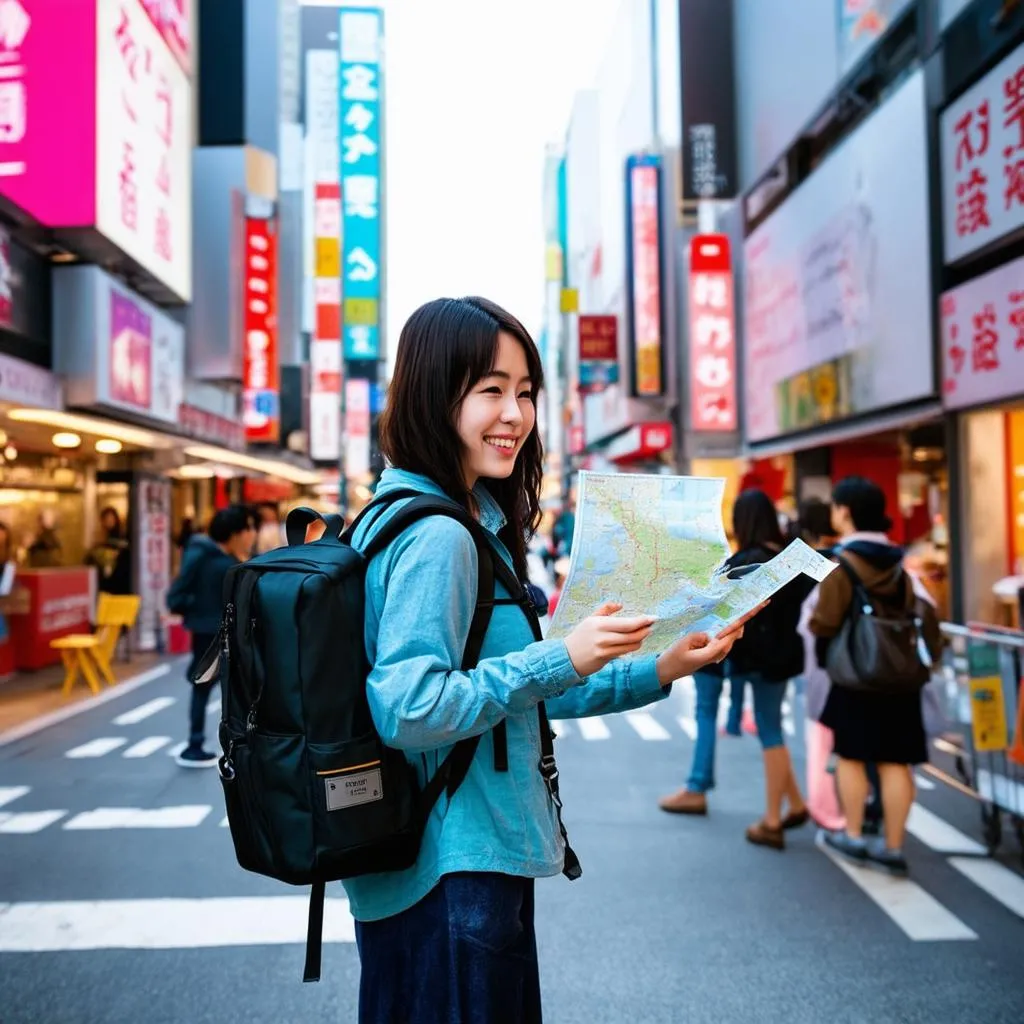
(755, 522)
(445, 347)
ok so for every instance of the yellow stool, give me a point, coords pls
(87, 652)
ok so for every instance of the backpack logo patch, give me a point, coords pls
(353, 790)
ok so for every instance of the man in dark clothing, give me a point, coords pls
(196, 596)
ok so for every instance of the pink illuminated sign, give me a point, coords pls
(48, 109)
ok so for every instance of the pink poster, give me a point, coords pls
(48, 109)
(131, 353)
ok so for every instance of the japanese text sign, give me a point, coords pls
(359, 86)
(599, 351)
(143, 145)
(261, 389)
(712, 335)
(643, 190)
(983, 338)
(982, 144)
(172, 17)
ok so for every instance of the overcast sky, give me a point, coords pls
(475, 90)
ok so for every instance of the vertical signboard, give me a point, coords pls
(712, 335)
(361, 138)
(357, 428)
(643, 293)
(153, 547)
(321, 86)
(599, 351)
(708, 102)
(982, 146)
(261, 387)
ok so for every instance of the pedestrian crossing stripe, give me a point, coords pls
(167, 923)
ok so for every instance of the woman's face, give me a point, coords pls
(497, 415)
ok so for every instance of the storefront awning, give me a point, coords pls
(268, 467)
(899, 419)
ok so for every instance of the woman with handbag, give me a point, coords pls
(874, 704)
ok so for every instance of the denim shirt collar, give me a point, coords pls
(491, 517)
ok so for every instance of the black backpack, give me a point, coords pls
(312, 793)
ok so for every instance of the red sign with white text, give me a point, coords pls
(645, 280)
(712, 335)
(261, 386)
(983, 338)
(982, 146)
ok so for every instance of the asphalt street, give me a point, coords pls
(121, 901)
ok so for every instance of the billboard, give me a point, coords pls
(361, 138)
(643, 275)
(261, 387)
(99, 136)
(838, 310)
(712, 335)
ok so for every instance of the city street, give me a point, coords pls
(120, 899)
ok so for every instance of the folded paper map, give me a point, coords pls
(657, 546)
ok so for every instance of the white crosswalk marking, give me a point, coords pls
(923, 782)
(166, 924)
(176, 749)
(593, 728)
(144, 711)
(213, 708)
(224, 822)
(647, 726)
(97, 748)
(922, 917)
(150, 745)
(931, 830)
(689, 726)
(28, 822)
(10, 793)
(186, 816)
(999, 882)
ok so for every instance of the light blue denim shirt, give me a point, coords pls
(420, 596)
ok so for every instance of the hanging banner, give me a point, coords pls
(361, 141)
(712, 335)
(599, 351)
(644, 298)
(261, 386)
(357, 428)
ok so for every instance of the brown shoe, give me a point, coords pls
(763, 835)
(684, 802)
(796, 819)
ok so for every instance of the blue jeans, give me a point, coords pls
(767, 715)
(465, 954)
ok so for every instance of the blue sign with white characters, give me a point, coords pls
(361, 138)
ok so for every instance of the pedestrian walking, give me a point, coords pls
(877, 726)
(452, 938)
(196, 595)
(765, 659)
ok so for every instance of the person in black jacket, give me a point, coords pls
(196, 596)
(767, 657)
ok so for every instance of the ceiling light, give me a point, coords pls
(66, 439)
(189, 472)
(94, 426)
(108, 446)
(10, 453)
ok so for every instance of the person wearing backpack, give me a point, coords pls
(769, 654)
(874, 703)
(195, 595)
(451, 938)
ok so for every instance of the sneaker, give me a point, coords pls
(849, 849)
(892, 862)
(196, 757)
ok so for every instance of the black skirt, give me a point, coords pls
(874, 727)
